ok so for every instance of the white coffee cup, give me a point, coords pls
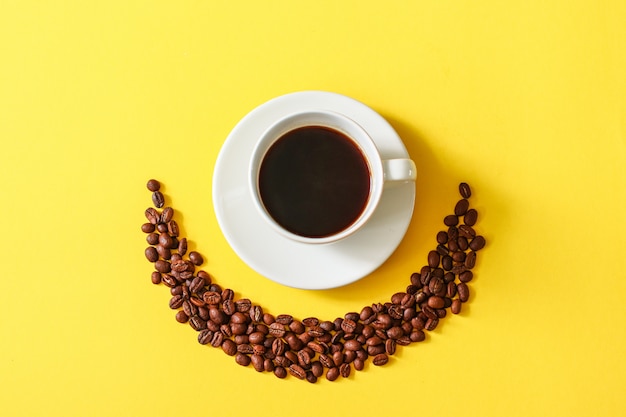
(382, 173)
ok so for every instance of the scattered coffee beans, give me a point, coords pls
(307, 348)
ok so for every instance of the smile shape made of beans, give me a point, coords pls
(311, 348)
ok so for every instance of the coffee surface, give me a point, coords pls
(314, 181)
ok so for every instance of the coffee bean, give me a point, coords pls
(433, 259)
(466, 276)
(344, 370)
(229, 347)
(466, 231)
(158, 199)
(435, 302)
(147, 227)
(163, 252)
(463, 291)
(258, 362)
(431, 324)
(455, 308)
(461, 207)
(205, 336)
(162, 266)
(155, 277)
(297, 371)
(152, 215)
(477, 243)
(153, 185)
(151, 254)
(280, 372)
(198, 324)
(182, 317)
(196, 258)
(451, 220)
(465, 190)
(166, 216)
(442, 237)
(242, 359)
(470, 217)
(333, 373)
(470, 260)
(380, 359)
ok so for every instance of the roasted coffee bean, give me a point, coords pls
(195, 258)
(430, 312)
(390, 346)
(380, 359)
(277, 330)
(229, 347)
(470, 260)
(344, 370)
(458, 256)
(453, 234)
(161, 228)
(465, 190)
(155, 277)
(151, 254)
(280, 372)
(153, 185)
(165, 240)
(242, 359)
(205, 336)
(310, 321)
(212, 297)
(332, 374)
(297, 327)
(348, 326)
(442, 250)
(466, 276)
(447, 262)
(152, 215)
(243, 305)
(352, 345)
(189, 308)
(451, 289)
(451, 220)
(258, 362)
(152, 239)
(168, 279)
(297, 371)
(433, 259)
(442, 237)
(229, 307)
(166, 216)
(158, 199)
(163, 252)
(304, 357)
(162, 266)
(431, 324)
(461, 207)
(477, 243)
(437, 286)
(470, 217)
(466, 231)
(326, 360)
(182, 317)
(463, 291)
(198, 324)
(359, 364)
(256, 313)
(147, 228)
(463, 243)
(284, 319)
(435, 302)
(455, 308)
(182, 246)
(417, 336)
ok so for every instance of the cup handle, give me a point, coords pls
(399, 170)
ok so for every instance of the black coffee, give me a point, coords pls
(314, 181)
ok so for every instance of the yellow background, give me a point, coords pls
(522, 99)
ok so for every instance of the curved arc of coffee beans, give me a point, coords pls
(309, 348)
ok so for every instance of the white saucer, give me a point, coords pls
(297, 264)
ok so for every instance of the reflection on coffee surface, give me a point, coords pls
(314, 181)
